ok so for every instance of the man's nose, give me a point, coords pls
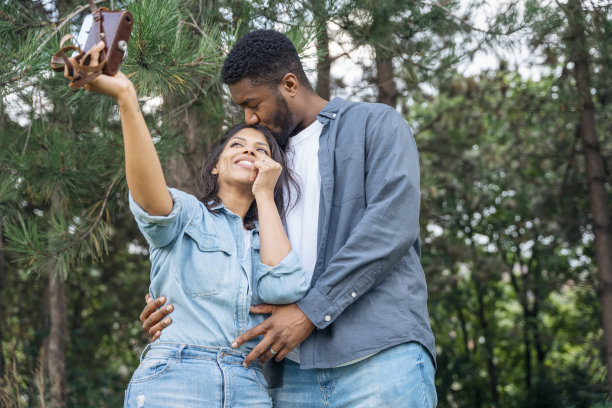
(250, 118)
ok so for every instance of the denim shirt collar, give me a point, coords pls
(330, 111)
(227, 212)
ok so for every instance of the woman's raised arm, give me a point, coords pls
(142, 167)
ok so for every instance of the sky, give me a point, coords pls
(352, 73)
(519, 57)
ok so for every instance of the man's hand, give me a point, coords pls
(283, 331)
(152, 315)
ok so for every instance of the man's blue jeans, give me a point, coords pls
(401, 376)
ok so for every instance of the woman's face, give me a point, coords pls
(236, 160)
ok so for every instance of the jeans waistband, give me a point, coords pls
(180, 351)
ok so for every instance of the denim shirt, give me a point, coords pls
(197, 262)
(368, 291)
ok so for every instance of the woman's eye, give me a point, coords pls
(235, 144)
(264, 151)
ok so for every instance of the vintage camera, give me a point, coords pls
(112, 27)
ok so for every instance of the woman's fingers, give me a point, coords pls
(267, 174)
(94, 53)
(91, 58)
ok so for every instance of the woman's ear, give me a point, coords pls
(214, 171)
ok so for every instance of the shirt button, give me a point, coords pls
(354, 294)
(333, 115)
(327, 318)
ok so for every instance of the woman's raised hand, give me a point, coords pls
(116, 86)
(265, 174)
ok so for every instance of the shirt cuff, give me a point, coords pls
(144, 217)
(281, 284)
(320, 310)
(289, 264)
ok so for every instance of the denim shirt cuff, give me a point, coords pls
(283, 283)
(289, 264)
(145, 218)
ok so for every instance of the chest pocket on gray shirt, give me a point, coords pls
(206, 264)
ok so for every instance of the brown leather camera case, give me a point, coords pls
(112, 27)
(115, 26)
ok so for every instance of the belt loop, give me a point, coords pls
(142, 355)
(179, 351)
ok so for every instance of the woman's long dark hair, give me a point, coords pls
(207, 185)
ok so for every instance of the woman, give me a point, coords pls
(209, 258)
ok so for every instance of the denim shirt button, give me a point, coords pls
(354, 294)
(327, 318)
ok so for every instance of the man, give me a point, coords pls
(361, 336)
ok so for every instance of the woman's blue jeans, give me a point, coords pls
(174, 375)
(401, 376)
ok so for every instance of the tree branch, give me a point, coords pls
(84, 234)
(66, 19)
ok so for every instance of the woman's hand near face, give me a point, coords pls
(265, 174)
(274, 244)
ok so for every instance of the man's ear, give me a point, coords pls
(290, 84)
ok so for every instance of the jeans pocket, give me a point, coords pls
(151, 368)
(259, 378)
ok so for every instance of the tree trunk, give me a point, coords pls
(488, 344)
(381, 40)
(385, 79)
(321, 17)
(595, 172)
(55, 344)
(2, 308)
(183, 169)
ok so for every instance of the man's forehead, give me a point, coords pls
(245, 90)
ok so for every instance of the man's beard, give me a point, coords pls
(283, 121)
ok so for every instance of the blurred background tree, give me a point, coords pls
(515, 182)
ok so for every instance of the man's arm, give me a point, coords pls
(387, 230)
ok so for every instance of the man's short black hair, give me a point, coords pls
(264, 56)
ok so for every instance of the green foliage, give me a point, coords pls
(507, 237)
(506, 272)
(162, 56)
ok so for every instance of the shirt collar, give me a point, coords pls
(224, 210)
(330, 111)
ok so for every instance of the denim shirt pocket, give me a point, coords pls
(206, 263)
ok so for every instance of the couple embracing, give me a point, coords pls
(299, 252)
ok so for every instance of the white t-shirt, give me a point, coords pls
(302, 221)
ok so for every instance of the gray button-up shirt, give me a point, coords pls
(368, 290)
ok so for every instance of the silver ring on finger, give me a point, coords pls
(272, 351)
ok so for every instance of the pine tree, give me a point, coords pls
(61, 151)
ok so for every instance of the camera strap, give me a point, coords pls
(80, 69)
